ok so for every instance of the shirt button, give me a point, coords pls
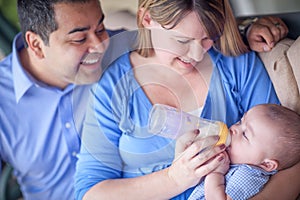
(74, 153)
(68, 125)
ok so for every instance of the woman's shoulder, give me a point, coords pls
(236, 64)
(118, 73)
(118, 66)
(245, 57)
(122, 60)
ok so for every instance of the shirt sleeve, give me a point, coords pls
(99, 158)
(255, 86)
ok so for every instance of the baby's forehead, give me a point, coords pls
(257, 110)
(258, 116)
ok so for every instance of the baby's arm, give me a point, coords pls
(215, 181)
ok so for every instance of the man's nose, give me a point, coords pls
(98, 44)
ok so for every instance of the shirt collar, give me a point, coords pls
(22, 79)
(22, 82)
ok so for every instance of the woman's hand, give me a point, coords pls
(194, 158)
(264, 33)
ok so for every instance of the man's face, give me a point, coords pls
(76, 48)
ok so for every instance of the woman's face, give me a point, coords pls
(182, 47)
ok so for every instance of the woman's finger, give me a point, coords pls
(210, 166)
(184, 141)
(206, 153)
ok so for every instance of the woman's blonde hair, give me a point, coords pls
(215, 15)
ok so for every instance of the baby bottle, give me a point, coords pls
(170, 122)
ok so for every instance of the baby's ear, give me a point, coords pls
(269, 164)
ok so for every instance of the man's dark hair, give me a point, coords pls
(38, 16)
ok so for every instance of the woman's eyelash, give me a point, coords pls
(183, 41)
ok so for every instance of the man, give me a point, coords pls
(41, 108)
(44, 86)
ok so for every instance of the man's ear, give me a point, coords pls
(35, 43)
(269, 165)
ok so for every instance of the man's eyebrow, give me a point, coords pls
(80, 29)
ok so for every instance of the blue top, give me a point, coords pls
(115, 141)
(241, 182)
(40, 128)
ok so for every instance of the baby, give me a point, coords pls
(266, 140)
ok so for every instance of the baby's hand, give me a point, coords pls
(224, 166)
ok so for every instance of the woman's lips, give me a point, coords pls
(187, 62)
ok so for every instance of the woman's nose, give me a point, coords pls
(196, 51)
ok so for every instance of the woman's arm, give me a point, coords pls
(283, 185)
(185, 172)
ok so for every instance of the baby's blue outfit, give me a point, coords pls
(241, 182)
(115, 140)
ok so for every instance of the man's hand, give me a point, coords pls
(264, 33)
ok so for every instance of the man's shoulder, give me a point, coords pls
(6, 75)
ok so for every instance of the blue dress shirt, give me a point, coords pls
(39, 130)
(40, 125)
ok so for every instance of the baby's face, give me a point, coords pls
(252, 138)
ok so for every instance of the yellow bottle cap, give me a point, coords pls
(224, 135)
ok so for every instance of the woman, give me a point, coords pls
(190, 56)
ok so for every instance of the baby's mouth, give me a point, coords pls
(91, 58)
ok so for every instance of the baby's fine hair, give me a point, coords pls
(289, 136)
